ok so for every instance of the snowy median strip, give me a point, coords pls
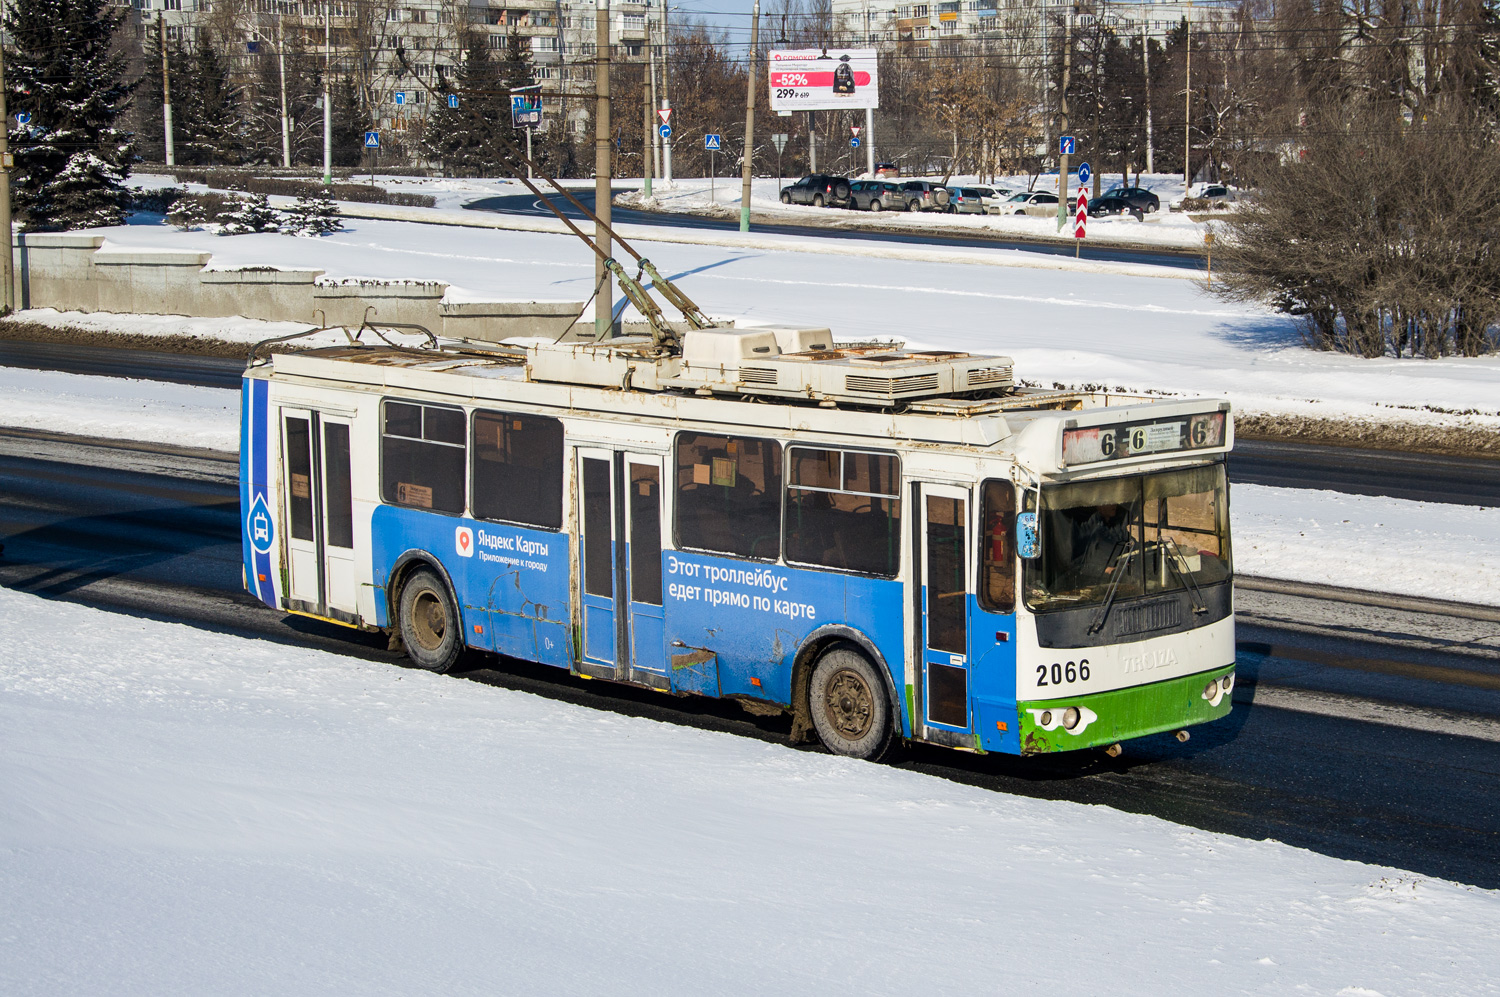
(192, 812)
(120, 408)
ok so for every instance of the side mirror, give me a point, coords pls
(1026, 541)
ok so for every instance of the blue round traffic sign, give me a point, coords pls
(666, 131)
(854, 143)
(1084, 173)
(23, 117)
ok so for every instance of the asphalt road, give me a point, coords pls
(1422, 477)
(530, 205)
(1364, 734)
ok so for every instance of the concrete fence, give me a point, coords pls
(73, 272)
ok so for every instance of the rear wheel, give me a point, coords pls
(429, 622)
(875, 205)
(1151, 207)
(849, 707)
(914, 205)
(786, 198)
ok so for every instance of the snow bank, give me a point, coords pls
(189, 812)
(120, 408)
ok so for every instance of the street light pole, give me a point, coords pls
(666, 97)
(327, 95)
(166, 87)
(604, 300)
(286, 127)
(8, 301)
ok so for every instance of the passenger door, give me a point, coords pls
(619, 498)
(945, 577)
(319, 512)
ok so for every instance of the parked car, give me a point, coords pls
(965, 201)
(876, 195)
(1110, 204)
(1209, 192)
(1139, 197)
(1041, 203)
(924, 195)
(819, 190)
(887, 170)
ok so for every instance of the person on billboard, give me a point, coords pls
(843, 76)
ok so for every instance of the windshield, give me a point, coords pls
(1142, 535)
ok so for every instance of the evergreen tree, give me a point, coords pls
(206, 117)
(71, 160)
(251, 214)
(145, 116)
(350, 122)
(473, 138)
(314, 215)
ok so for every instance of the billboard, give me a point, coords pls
(815, 79)
(526, 106)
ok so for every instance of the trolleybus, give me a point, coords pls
(888, 545)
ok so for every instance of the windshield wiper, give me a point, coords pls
(1184, 575)
(1114, 583)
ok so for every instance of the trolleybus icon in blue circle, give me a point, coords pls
(261, 530)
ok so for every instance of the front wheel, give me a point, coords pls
(849, 707)
(817, 200)
(429, 622)
(786, 198)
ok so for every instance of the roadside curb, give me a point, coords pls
(1361, 597)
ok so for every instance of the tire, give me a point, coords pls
(817, 200)
(849, 706)
(841, 192)
(429, 622)
(914, 206)
(1152, 207)
(875, 205)
(786, 198)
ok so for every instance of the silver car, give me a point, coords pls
(876, 195)
(965, 201)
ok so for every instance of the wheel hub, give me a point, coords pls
(429, 621)
(851, 706)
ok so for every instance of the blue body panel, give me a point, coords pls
(512, 585)
(754, 617)
(258, 527)
(992, 679)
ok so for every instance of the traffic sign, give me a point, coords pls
(1065, 145)
(400, 97)
(665, 130)
(1081, 218)
(665, 114)
(23, 117)
(372, 140)
(854, 129)
(854, 143)
(779, 141)
(711, 142)
(1084, 173)
(453, 100)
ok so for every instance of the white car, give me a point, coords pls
(1208, 192)
(1038, 203)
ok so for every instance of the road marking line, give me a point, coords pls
(1330, 704)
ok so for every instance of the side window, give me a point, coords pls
(518, 469)
(422, 459)
(729, 495)
(843, 510)
(997, 552)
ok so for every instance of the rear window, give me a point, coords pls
(971, 192)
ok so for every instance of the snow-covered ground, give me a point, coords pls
(1114, 329)
(1378, 544)
(186, 812)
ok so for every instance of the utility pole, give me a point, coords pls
(1062, 158)
(651, 136)
(166, 86)
(666, 97)
(327, 94)
(9, 298)
(750, 118)
(1187, 114)
(604, 299)
(1146, 60)
(286, 127)
(648, 147)
(812, 145)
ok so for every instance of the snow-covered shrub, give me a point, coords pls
(250, 214)
(313, 215)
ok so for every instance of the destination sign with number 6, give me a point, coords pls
(1138, 439)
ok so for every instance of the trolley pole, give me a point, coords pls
(604, 299)
(750, 119)
(8, 276)
(166, 86)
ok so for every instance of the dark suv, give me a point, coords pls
(925, 195)
(1138, 198)
(819, 190)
